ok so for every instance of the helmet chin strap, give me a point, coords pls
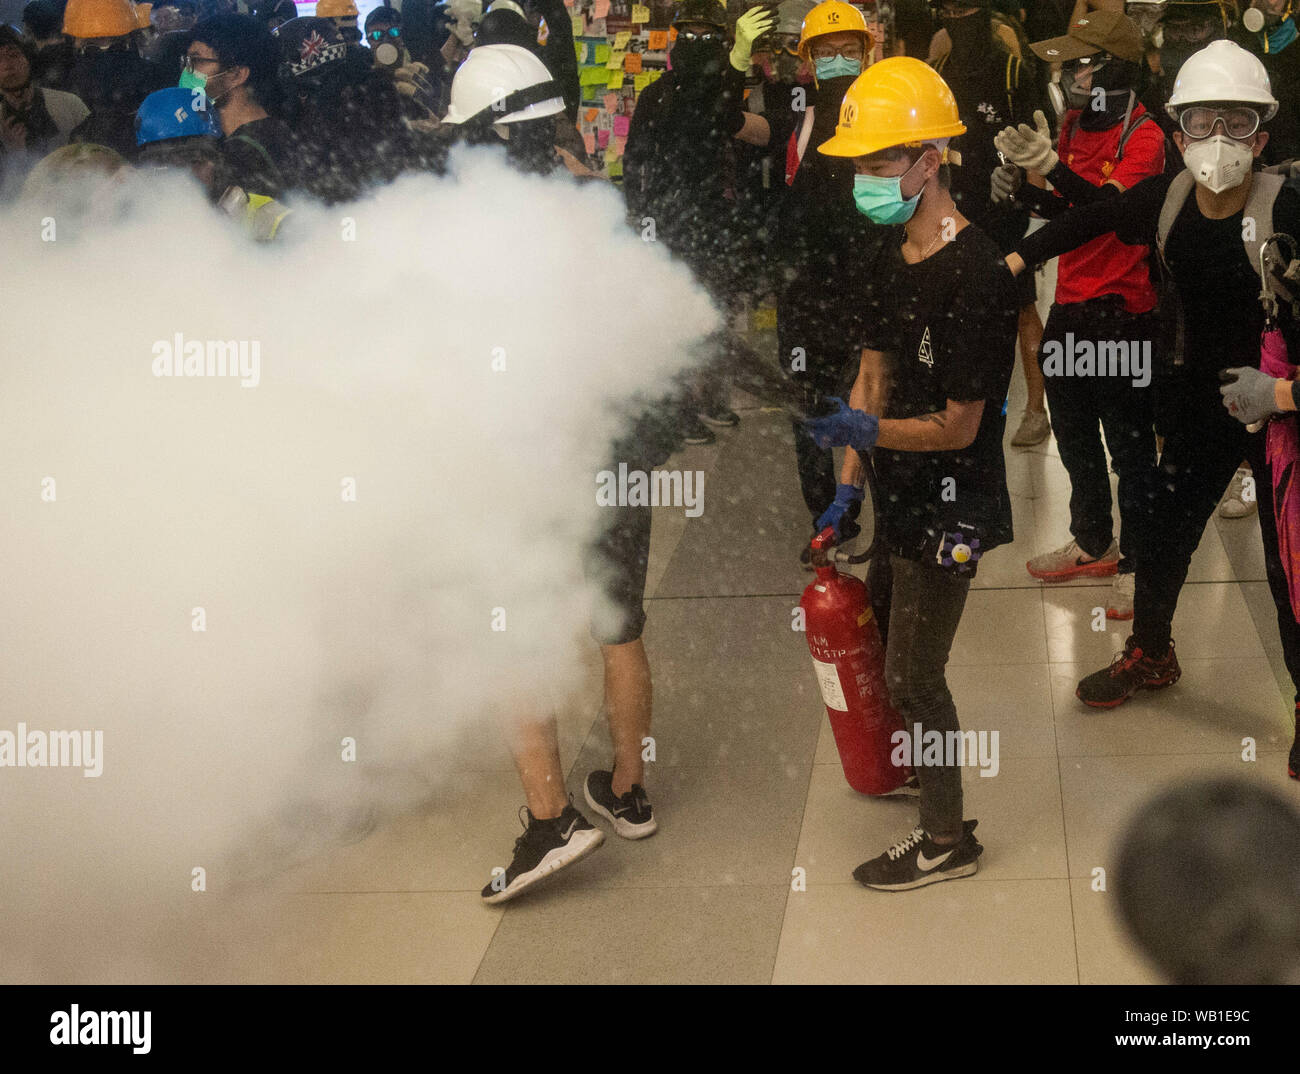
(515, 102)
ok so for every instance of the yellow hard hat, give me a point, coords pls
(898, 101)
(336, 9)
(99, 18)
(142, 13)
(832, 17)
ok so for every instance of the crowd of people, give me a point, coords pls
(892, 211)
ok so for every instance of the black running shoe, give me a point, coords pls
(630, 814)
(693, 431)
(545, 847)
(917, 860)
(1131, 671)
(721, 416)
(1293, 761)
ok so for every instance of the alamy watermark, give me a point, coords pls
(1100, 358)
(179, 357)
(654, 488)
(53, 749)
(930, 749)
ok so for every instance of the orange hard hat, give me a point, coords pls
(99, 18)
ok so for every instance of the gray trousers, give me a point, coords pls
(922, 605)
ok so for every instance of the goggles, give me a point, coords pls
(1197, 121)
(691, 35)
(376, 36)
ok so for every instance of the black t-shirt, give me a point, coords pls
(260, 157)
(1217, 287)
(949, 327)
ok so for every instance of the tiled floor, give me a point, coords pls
(748, 787)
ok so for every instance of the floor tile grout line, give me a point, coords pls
(1065, 831)
(794, 854)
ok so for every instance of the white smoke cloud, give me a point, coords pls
(324, 618)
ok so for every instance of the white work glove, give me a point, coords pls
(1030, 147)
(1005, 182)
(752, 25)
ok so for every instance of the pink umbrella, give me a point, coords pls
(1283, 444)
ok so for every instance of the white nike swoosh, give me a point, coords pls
(566, 835)
(926, 864)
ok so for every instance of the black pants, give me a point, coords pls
(1202, 452)
(1084, 407)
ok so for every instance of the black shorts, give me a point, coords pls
(615, 567)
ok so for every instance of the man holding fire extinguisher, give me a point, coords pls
(944, 309)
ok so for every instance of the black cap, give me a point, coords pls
(708, 12)
(308, 45)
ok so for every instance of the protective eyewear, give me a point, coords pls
(711, 35)
(847, 52)
(378, 35)
(1198, 121)
(190, 62)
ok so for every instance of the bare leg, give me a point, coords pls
(1031, 335)
(628, 700)
(536, 749)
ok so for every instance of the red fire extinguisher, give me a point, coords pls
(849, 660)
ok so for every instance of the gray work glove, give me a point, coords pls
(1030, 147)
(1248, 394)
(1006, 180)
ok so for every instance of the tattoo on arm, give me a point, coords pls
(940, 420)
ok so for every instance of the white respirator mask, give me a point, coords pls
(1218, 163)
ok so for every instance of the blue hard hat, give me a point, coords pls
(175, 112)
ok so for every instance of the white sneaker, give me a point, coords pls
(1120, 604)
(1071, 561)
(1235, 505)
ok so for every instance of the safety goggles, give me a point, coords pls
(1197, 121)
(376, 36)
(711, 35)
(1085, 65)
(846, 52)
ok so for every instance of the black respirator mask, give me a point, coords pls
(1110, 95)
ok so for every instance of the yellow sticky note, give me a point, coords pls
(615, 61)
(579, 25)
(591, 76)
(615, 169)
(639, 82)
(632, 63)
(602, 53)
(611, 154)
(615, 80)
(580, 50)
(622, 38)
(640, 13)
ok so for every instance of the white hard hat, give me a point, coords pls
(1223, 71)
(491, 74)
(509, 5)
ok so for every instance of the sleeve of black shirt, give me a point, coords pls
(559, 55)
(1132, 215)
(640, 148)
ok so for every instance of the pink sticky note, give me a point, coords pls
(589, 140)
(602, 9)
(602, 138)
(611, 102)
(621, 124)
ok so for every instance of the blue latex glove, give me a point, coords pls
(845, 497)
(845, 428)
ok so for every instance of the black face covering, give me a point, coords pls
(970, 33)
(698, 60)
(826, 99)
(1118, 77)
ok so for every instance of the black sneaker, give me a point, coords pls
(917, 860)
(693, 431)
(545, 847)
(630, 814)
(1131, 671)
(1293, 761)
(721, 416)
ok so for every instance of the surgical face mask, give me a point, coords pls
(880, 198)
(1218, 163)
(193, 80)
(836, 67)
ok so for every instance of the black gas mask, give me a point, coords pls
(699, 56)
(1102, 87)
